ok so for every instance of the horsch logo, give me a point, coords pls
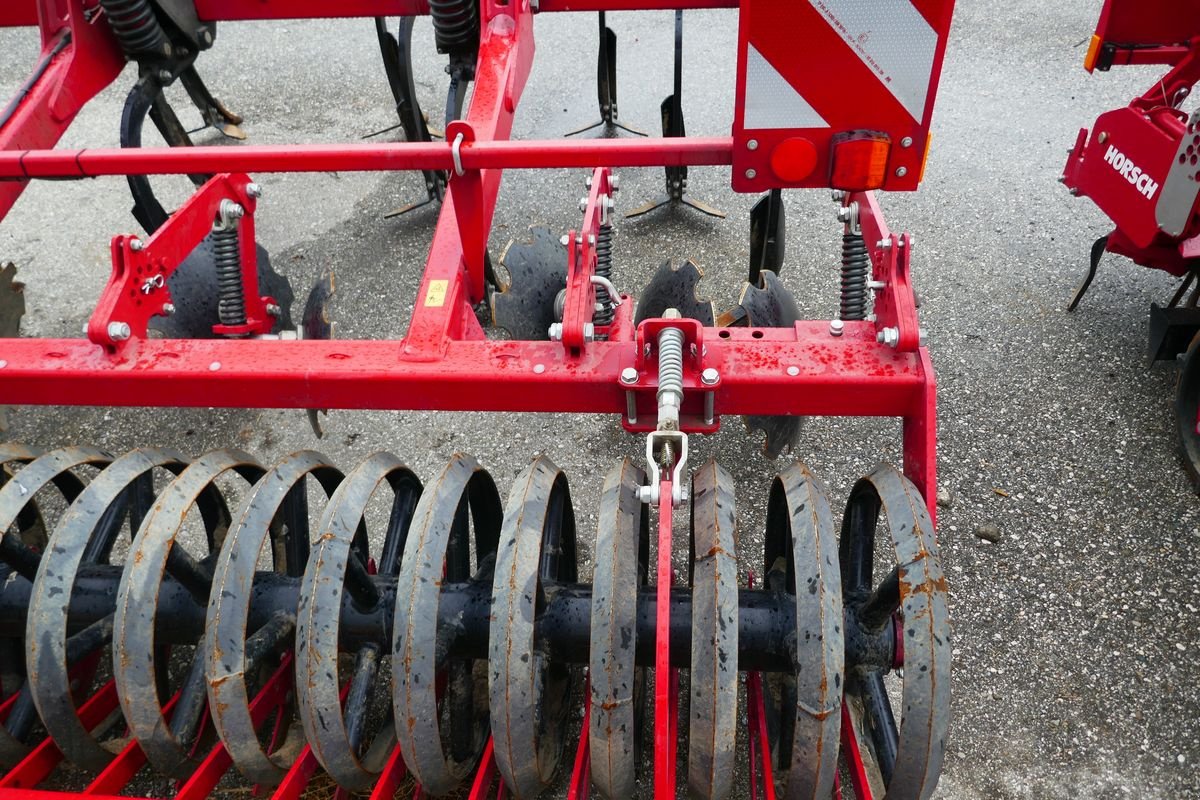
(1131, 172)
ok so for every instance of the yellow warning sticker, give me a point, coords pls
(435, 295)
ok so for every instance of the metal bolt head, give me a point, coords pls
(254, 190)
(119, 331)
(888, 336)
(710, 377)
(583, 204)
(538, 369)
(629, 375)
(274, 310)
(588, 182)
(836, 327)
(672, 313)
(793, 371)
(565, 240)
(589, 332)
(751, 174)
(555, 332)
(614, 182)
(137, 245)
(164, 75)
(1103, 137)
(901, 172)
(884, 244)
(168, 309)
(752, 144)
(906, 141)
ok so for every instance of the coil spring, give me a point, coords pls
(136, 27)
(231, 293)
(604, 302)
(670, 362)
(455, 25)
(856, 268)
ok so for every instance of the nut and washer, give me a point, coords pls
(888, 336)
(119, 331)
(836, 326)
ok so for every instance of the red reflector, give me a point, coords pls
(859, 161)
(794, 159)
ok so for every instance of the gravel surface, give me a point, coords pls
(1076, 629)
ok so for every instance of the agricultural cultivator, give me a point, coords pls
(1141, 166)
(456, 647)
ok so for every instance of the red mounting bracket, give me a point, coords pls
(895, 302)
(137, 289)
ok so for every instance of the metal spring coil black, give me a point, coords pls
(604, 311)
(856, 269)
(135, 26)
(455, 25)
(231, 306)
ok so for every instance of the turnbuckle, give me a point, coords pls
(668, 446)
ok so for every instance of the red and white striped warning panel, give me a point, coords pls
(836, 93)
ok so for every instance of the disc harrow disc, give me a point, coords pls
(442, 754)
(675, 287)
(537, 272)
(712, 727)
(156, 552)
(529, 693)
(802, 561)
(231, 651)
(339, 563)
(617, 684)
(771, 305)
(908, 758)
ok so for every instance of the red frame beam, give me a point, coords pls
(479, 155)
(848, 375)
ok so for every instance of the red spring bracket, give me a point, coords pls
(895, 301)
(581, 264)
(137, 289)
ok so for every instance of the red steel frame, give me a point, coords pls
(444, 361)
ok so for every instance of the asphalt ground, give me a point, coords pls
(1076, 670)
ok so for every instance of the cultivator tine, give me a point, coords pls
(673, 127)
(397, 63)
(768, 230)
(606, 84)
(318, 323)
(437, 551)
(530, 694)
(905, 613)
(713, 723)
(212, 110)
(1097, 252)
(525, 304)
(617, 686)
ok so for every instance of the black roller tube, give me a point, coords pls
(765, 618)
